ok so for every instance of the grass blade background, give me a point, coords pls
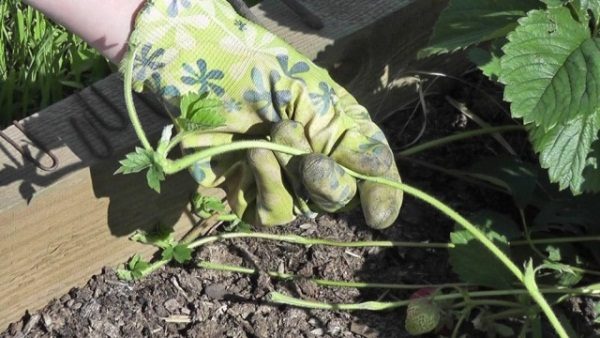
(40, 62)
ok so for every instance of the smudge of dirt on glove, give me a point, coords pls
(192, 302)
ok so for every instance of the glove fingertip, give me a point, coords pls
(380, 204)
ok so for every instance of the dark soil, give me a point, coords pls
(184, 301)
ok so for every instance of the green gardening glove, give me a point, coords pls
(268, 91)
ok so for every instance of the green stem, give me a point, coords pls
(155, 266)
(133, 116)
(463, 316)
(475, 232)
(315, 241)
(557, 240)
(181, 164)
(457, 137)
(325, 282)
(508, 314)
(172, 167)
(487, 302)
(280, 298)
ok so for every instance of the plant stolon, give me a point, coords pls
(158, 165)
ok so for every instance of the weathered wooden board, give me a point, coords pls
(57, 228)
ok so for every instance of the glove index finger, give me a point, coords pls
(274, 204)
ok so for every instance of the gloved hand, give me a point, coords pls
(268, 90)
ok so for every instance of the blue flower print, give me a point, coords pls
(166, 92)
(269, 101)
(199, 169)
(241, 25)
(147, 61)
(324, 100)
(297, 68)
(203, 78)
(232, 106)
(173, 9)
(373, 146)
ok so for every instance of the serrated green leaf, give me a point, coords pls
(473, 262)
(133, 261)
(551, 69)
(488, 61)
(243, 227)
(161, 237)
(167, 253)
(588, 10)
(200, 112)
(154, 176)
(554, 253)
(124, 275)
(136, 269)
(555, 3)
(140, 267)
(564, 151)
(205, 206)
(135, 162)
(182, 254)
(591, 172)
(564, 274)
(467, 22)
(518, 177)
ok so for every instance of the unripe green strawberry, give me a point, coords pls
(422, 316)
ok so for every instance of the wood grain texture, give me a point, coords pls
(58, 228)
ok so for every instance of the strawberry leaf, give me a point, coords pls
(205, 206)
(200, 112)
(487, 61)
(136, 268)
(551, 69)
(519, 178)
(154, 176)
(143, 159)
(135, 162)
(467, 22)
(473, 262)
(181, 253)
(566, 151)
(161, 237)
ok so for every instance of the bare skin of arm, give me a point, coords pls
(104, 24)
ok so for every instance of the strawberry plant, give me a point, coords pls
(546, 54)
(473, 240)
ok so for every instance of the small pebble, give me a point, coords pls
(172, 305)
(215, 291)
(317, 332)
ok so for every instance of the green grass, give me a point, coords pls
(40, 63)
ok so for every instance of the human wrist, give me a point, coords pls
(104, 24)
